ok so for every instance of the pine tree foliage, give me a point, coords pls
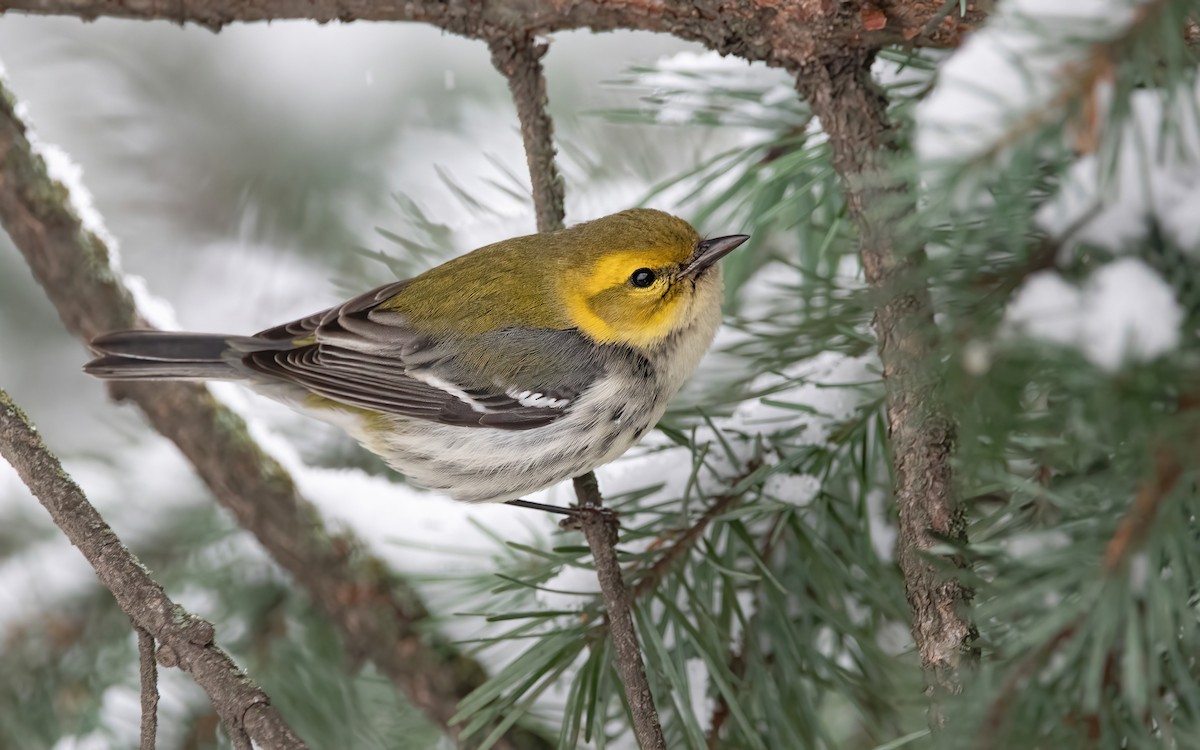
(1050, 170)
(1066, 304)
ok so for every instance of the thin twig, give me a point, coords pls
(853, 112)
(1139, 519)
(992, 733)
(599, 525)
(187, 638)
(683, 542)
(379, 615)
(148, 672)
(1131, 533)
(1168, 468)
(519, 60)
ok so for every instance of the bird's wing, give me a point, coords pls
(365, 356)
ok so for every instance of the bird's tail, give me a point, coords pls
(163, 355)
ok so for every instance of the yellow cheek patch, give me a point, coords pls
(637, 327)
(604, 306)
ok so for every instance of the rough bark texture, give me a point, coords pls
(520, 60)
(853, 112)
(235, 698)
(775, 32)
(148, 674)
(378, 615)
(600, 526)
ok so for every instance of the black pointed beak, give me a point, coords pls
(709, 252)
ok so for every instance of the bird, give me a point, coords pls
(493, 375)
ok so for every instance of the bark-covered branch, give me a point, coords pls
(853, 112)
(239, 703)
(148, 677)
(599, 525)
(519, 60)
(378, 614)
(779, 33)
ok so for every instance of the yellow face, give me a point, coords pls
(634, 297)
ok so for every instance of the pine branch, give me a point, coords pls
(686, 539)
(1139, 519)
(737, 660)
(1136, 524)
(766, 30)
(379, 615)
(189, 639)
(519, 59)
(148, 675)
(853, 112)
(991, 735)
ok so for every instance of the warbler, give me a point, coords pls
(495, 374)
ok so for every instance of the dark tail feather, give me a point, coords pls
(161, 355)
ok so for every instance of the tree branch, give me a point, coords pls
(1169, 467)
(1138, 521)
(518, 58)
(148, 676)
(765, 30)
(190, 640)
(378, 615)
(599, 525)
(853, 112)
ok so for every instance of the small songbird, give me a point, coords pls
(495, 374)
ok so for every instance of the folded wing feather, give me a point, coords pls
(370, 358)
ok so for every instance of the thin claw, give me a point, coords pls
(543, 507)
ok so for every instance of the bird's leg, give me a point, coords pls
(543, 507)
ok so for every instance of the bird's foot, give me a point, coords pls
(543, 507)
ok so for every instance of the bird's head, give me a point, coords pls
(640, 275)
(631, 278)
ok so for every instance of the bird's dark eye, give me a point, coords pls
(642, 278)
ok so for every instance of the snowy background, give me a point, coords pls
(268, 171)
(251, 177)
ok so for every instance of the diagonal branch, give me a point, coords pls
(853, 112)
(380, 617)
(239, 703)
(519, 59)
